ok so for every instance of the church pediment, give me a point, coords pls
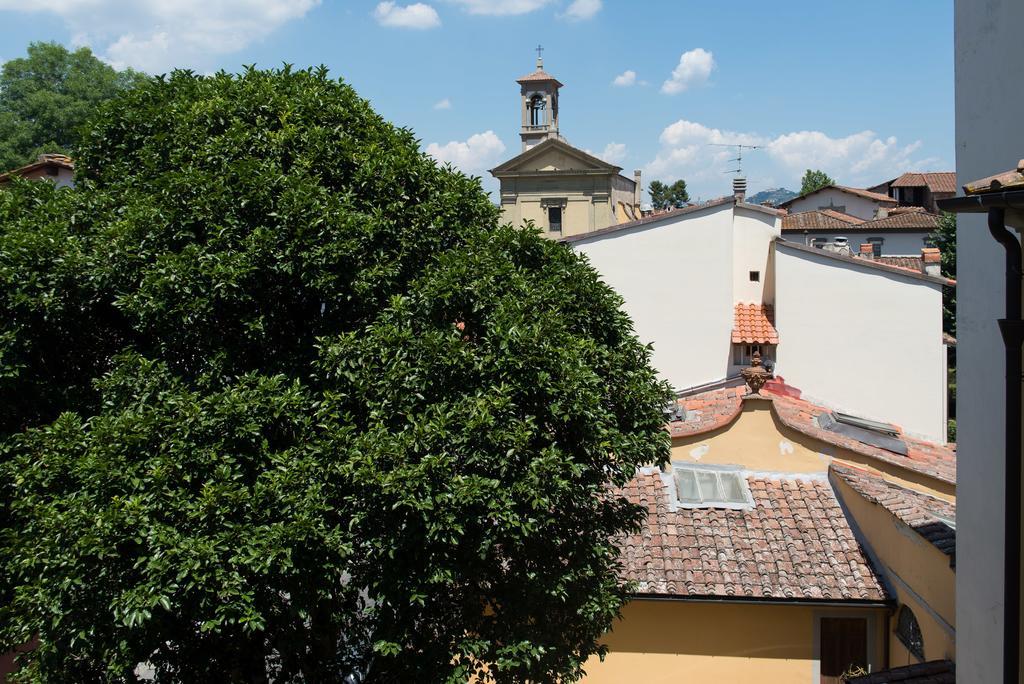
(553, 156)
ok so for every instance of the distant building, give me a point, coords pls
(710, 284)
(563, 190)
(896, 232)
(57, 168)
(920, 189)
(863, 204)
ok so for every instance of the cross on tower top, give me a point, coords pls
(540, 59)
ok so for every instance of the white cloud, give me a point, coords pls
(580, 10)
(694, 68)
(443, 104)
(613, 153)
(625, 79)
(692, 151)
(472, 156)
(415, 16)
(500, 7)
(157, 35)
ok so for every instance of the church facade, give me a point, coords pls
(562, 189)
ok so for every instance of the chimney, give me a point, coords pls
(739, 188)
(867, 250)
(931, 261)
(638, 190)
(881, 212)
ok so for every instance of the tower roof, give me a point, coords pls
(539, 75)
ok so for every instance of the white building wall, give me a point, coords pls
(989, 139)
(675, 279)
(883, 360)
(860, 207)
(895, 244)
(753, 233)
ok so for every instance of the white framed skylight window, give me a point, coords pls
(711, 486)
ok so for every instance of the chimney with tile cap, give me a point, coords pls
(867, 250)
(931, 261)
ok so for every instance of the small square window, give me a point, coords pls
(755, 276)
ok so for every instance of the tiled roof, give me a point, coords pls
(915, 509)
(60, 161)
(715, 409)
(538, 75)
(913, 263)
(860, 192)
(863, 263)
(935, 460)
(932, 672)
(708, 411)
(907, 218)
(754, 324)
(795, 543)
(822, 218)
(915, 218)
(937, 181)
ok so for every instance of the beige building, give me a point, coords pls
(563, 190)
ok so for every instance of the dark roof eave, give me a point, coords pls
(982, 202)
(764, 600)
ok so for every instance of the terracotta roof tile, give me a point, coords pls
(917, 510)
(932, 672)
(538, 75)
(794, 543)
(912, 263)
(720, 407)
(754, 324)
(914, 219)
(820, 219)
(708, 411)
(936, 181)
(860, 192)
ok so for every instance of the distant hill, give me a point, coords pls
(776, 196)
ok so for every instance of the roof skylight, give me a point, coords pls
(881, 435)
(711, 487)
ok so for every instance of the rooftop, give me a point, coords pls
(52, 161)
(920, 512)
(865, 263)
(936, 181)
(859, 192)
(714, 409)
(819, 219)
(795, 543)
(899, 218)
(754, 324)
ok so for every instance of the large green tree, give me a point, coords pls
(672, 196)
(46, 96)
(814, 180)
(285, 402)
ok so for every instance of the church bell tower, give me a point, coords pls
(539, 97)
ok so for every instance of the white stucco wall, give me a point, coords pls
(989, 139)
(895, 244)
(676, 280)
(753, 232)
(855, 206)
(882, 358)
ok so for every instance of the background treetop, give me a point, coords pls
(292, 404)
(46, 96)
(814, 180)
(672, 196)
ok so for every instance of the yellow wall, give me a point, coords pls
(680, 641)
(758, 440)
(919, 573)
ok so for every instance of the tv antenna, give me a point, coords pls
(739, 155)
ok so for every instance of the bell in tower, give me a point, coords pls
(539, 96)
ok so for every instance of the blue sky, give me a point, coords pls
(863, 90)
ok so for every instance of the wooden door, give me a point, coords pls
(844, 646)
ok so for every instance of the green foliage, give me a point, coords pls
(665, 196)
(290, 403)
(813, 180)
(944, 238)
(47, 96)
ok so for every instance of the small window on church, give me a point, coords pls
(555, 219)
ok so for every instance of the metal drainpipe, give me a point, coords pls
(1011, 329)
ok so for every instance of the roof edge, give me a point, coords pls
(865, 263)
(650, 220)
